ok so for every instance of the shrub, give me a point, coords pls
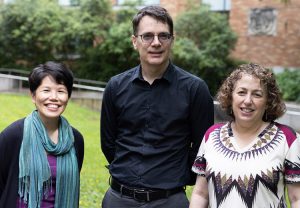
(288, 82)
(203, 43)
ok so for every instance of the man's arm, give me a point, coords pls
(201, 118)
(108, 124)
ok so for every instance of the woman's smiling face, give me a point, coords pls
(50, 99)
(249, 99)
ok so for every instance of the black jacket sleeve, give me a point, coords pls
(10, 144)
(79, 146)
(108, 124)
(201, 118)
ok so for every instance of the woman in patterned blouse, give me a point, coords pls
(249, 160)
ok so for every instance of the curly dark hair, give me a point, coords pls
(275, 104)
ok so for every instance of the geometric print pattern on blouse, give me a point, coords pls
(246, 185)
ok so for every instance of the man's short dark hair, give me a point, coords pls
(156, 12)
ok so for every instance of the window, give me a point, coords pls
(60, 2)
(68, 2)
(218, 5)
(144, 2)
(8, 1)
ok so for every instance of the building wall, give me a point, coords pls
(279, 50)
(113, 2)
(174, 7)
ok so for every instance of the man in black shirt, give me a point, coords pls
(152, 121)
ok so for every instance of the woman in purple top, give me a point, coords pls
(41, 155)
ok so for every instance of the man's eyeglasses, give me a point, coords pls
(163, 37)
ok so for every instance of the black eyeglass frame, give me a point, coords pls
(163, 37)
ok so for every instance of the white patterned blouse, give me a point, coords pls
(253, 176)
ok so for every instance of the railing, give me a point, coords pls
(80, 84)
(85, 92)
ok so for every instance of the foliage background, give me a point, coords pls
(96, 40)
(203, 43)
(32, 32)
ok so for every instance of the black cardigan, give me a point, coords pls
(10, 144)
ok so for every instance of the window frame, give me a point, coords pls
(144, 2)
(218, 6)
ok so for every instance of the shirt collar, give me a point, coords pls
(168, 75)
(137, 75)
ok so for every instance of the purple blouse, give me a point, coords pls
(50, 201)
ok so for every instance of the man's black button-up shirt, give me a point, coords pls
(150, 134)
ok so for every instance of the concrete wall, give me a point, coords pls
(6, 84)
(88, 99)
(290, 118)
